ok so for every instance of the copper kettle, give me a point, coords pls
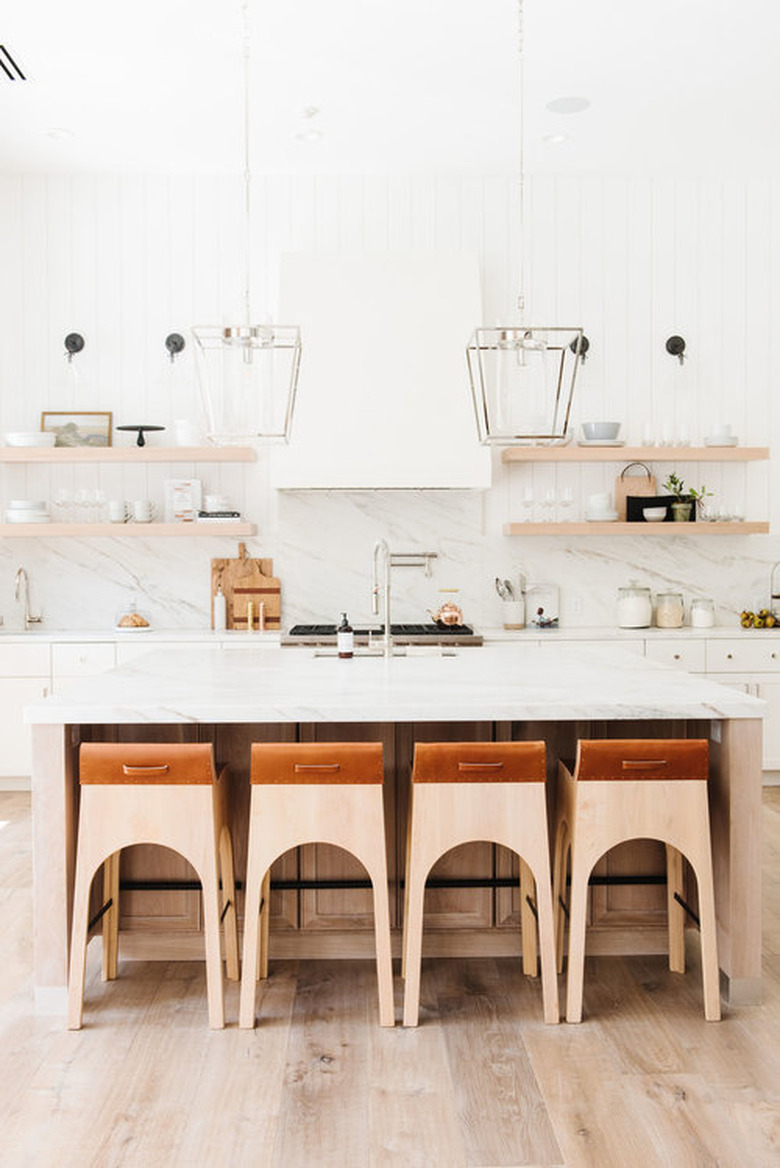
(447, 614)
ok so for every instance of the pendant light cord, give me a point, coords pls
(521, 153)
(247, 172)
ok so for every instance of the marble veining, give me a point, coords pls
(501, 682)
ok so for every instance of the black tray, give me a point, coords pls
(635, 505)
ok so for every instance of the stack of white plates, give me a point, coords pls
(27, 511)
(29, 438)
(601, 516)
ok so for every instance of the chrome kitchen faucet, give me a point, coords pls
(22, 592)
(392, 560)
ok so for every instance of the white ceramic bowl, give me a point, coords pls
(654, 514)
(29, 438)
(600, 431)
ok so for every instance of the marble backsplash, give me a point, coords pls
(321, 543)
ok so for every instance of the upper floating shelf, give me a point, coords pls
(634, 453)
(63, 454)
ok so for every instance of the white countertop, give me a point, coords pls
(502, 681)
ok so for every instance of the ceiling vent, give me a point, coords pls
(9, 66)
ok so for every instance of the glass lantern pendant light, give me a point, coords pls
(248, 373)
(522, 377)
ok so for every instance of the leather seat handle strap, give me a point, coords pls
(480, 766)
(320, 767)
(145, 770)
(644, 764)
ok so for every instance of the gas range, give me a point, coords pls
(427, 634)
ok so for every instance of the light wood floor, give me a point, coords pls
(643, 1081)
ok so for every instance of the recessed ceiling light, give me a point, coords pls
(556, 139)
(58, 133)
(568, 105)
(309, 136)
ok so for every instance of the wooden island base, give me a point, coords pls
(473, 903)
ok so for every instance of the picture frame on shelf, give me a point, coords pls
(72, 428)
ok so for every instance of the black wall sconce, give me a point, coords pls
(74, 343)
(675, 346)
(584, 345)
(174, 343)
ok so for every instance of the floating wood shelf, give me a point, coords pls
(122, 530)
(63, 454)
(634, 453)
(640, 529)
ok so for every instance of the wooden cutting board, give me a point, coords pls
(244, 580)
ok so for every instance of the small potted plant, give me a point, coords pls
(684, 500)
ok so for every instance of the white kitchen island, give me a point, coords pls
(508, 691)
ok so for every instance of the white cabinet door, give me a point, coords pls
(383, 394)
(768, 688)
(15, 739)
(84, 659)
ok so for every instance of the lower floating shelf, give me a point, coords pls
(121, 530)
(640, 529)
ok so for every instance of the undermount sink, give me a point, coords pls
(401, 651)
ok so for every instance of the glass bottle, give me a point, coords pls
(345, 638)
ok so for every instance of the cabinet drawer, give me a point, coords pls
(748, 656)
(82, 660)
(688, 655)
(24, 660)
(130, 650)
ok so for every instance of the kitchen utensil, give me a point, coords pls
(600, 431)
(640, 485)
(143, 510)
(29, 438)
(500, 589)
(447, 614)
(141, 430)
(508, 590)
(244, 580)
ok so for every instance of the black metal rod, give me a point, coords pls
(532, 907)
(687, 908)
(100, 912)
(224, 912)
(432, 882)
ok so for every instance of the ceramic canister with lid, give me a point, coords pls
(634, 606)
(669, 610)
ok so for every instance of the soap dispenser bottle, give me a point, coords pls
(220, 610)
(345, 638)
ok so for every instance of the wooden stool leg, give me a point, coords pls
(413, 931)
(229, 915)
(384, 958)
(675, 911)
(578, 901)
(78, 942)
(214, 984)
(408, 853)
(249, 964)
(264, 929)
(528, 922)
(709, 939)
(111, 916)
(559, 894)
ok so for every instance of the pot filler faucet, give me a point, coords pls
(22, 592)
(388, 560)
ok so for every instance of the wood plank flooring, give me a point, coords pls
(481, 1083)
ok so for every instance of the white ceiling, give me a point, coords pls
(681, 86)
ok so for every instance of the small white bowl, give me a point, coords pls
(30, 438)
(654, 514)
(601, 431)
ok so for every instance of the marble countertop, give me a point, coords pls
(501, 681)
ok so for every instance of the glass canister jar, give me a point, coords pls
(702, 612)
(669, 610)
(634, 606)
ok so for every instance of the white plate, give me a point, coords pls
(601, 442)
(601, 516)
(27, 517)
(132, 628)
(732, 441)
(29, 438)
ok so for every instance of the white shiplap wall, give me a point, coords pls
(125, 261)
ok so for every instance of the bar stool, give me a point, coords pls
(152, 793)
(625, 789)
(305, 793)
(466, 791)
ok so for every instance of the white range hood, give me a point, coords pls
(383, 392)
